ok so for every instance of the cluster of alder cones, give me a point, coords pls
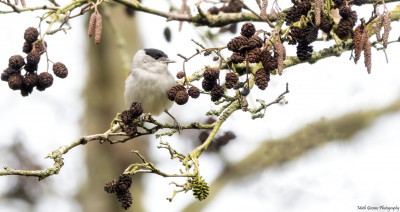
(120, 187)
(27, 81)
(251, 48)
(128, 116)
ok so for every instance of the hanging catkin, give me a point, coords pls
(386, 29)
(367, 51)
(92, 24)
(99, 26)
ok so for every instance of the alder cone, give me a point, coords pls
(262, 78)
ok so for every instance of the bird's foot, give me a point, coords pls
(177, 125)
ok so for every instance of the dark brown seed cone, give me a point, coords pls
(294, 13)
(304, 51)
(367, 53)
(261, 78)
(254, 56)
(181, 97)
(60, 70)
(237, 57)
(358, 42)
(239, 43)
(130, 130)
(31, 35)
(5, 76)
(125, 199)
(26, 91)
(270, 63)
(344, 27)
(325, 25)
(216, 92)
(9, 72)
(338, 3)
(180, 75)
(27, 47)
(33, 58)
(174, 90)
(255, 42)
(136, 109)
(30, 81)
(224, 139)
(16, 62)
(306, 34)
(127, 116)
(194, 92)
(211, 74)
(111, 186)
(353, 18)
(31, 68)
(207, 85)
(248, 29)
(99, 26)
(92, 24)
(124, 183)
(45, 80)
(39, 47)
(230, 80)
(213, 10)
(15, 82)
(345, 12)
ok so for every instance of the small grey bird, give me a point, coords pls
(149, 82)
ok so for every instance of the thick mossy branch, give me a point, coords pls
(278, 151)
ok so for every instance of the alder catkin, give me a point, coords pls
(318, 7)
(367, 52)
(99, 26)
(358, 42)
(386, 29)
(264, 6)
(378, 27)
(281, 51)
(273, 14)
(92, 24)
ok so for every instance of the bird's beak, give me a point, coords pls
(167, 60)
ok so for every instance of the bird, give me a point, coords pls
(149, 82)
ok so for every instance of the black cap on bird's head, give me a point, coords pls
(158, 55)
(155, 53)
